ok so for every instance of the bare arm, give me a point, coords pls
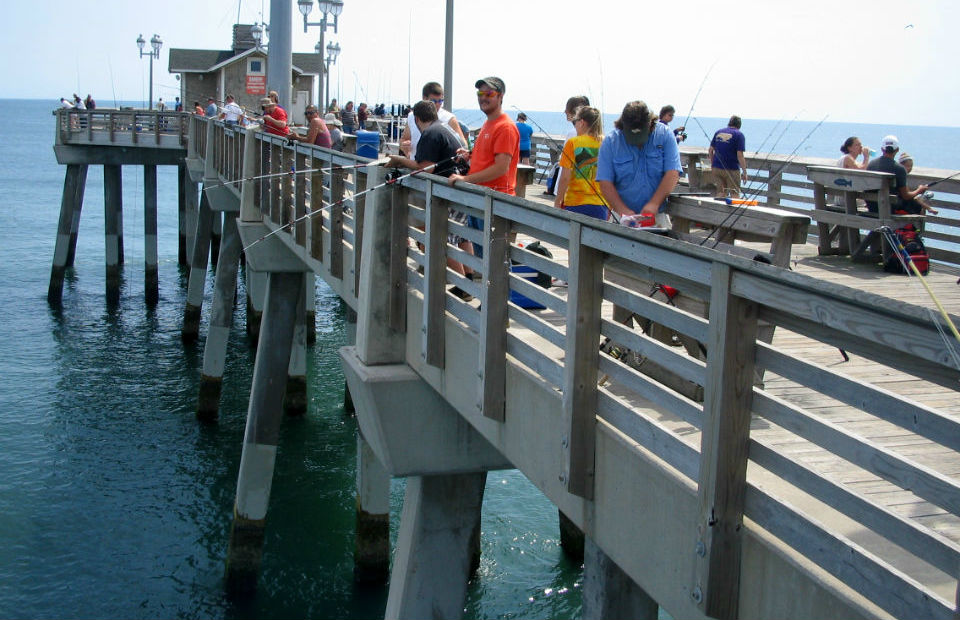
(743, 165)
(612, 196)
(561, 189)
(455, 125)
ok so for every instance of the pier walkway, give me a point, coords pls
(751, 472)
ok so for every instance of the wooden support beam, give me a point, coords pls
(362, 181)
(584, 298)
(316, 210)
(400, 199)
(724, 447)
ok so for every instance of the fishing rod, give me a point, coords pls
(390, 181)
(943, 179)
(697, 96)
(740, 209)
(293, 172)
(909, 266)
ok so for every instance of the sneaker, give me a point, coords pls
(461, 294)
(559, 283)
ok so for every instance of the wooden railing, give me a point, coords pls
(125, 127)
(781, 181)
(744, 483)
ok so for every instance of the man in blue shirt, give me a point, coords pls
(525, 132)
(726, 157)
(638, 164)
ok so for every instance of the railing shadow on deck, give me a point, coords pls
(745, 487)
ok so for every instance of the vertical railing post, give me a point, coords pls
(378, 339)
(248, 187)
(774, 188)
(584, 298)
(724, 445)
(434, 280)
(316, 209)
(494, 315)
(209, 164)
(337, 192)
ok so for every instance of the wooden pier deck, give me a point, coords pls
(755, 474)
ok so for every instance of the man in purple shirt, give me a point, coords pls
(726, 157)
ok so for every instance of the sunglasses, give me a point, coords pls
(487, 93)
(437, 101)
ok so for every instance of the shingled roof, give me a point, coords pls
(202, 61)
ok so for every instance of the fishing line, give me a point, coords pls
(909, 266)
(697, 96)
(387, 183)
(739, 210)
(293, 172)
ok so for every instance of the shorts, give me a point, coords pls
(460, 218)
(727, 182)
(598, 211)
(524, 154)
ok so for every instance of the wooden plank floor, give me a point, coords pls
(918, 449)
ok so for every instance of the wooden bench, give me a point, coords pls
(843, 223)
(729, 224)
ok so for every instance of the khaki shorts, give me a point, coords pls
(727, 182)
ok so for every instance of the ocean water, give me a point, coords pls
(116, 503)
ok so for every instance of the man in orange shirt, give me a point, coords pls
(496, 151)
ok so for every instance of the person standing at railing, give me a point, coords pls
(336, 135)
(438, 147)
(274, 118)
(726, 158)
(232, 113)
(432, 91)
(577, 188)
(89, 103)
(198, 109)
(851, 149)
(178, 105)
(496, 152)
(526, 131)
(349, 117)
(666, 117)
(638, 164)
(211, 109)
(317, 131)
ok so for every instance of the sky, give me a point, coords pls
(871, 61)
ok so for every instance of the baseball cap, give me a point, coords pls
(636, 136)
(890, 142)
(266, 101)
(494, 83)
(904, 156)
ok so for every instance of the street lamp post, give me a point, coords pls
(155, 43)
(333, 50)
(327, 7)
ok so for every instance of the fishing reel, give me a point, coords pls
(461, 165)
(393, 175)
(680, 134)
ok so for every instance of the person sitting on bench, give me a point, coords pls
(907, 198)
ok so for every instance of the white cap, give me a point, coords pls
(890, 142)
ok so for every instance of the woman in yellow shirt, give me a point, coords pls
(577, 188)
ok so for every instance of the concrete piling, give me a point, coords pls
(183, 178)
(262, 431)
(441, 515)
(71, 202)
(295, 401)
(371, 552)
(221, 319)
(151, 278)
(198, 272)
(112, 201)
(608, 592)
(256, 283)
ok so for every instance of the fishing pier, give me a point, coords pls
(718, 454)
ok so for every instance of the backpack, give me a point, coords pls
(909, 238)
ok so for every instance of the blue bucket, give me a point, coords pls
(368, 144)
(529, 274)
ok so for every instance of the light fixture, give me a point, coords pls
(257, 33)
(156, 43)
